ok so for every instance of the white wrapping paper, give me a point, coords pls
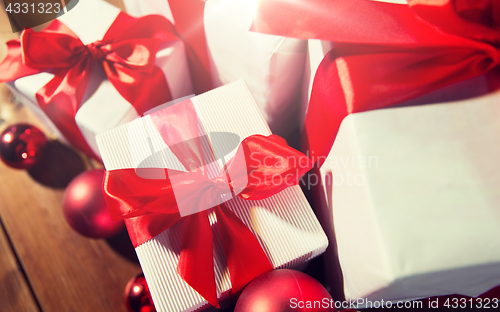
(284, 224)
(103, 107)
(272, 66)
(412, 195)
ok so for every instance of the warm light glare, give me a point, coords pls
(137, 289)
(80, 192)
(24, 155)
(7, 138)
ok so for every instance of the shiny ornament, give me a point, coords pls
(137, 295)
(285, 290)
(22, 145)
(86, 209)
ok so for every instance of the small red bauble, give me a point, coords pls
(285, 290)
(22, 145)
(137, 295)
(86, 209)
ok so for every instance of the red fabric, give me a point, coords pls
(188, 18)
(126, 54)
(152, 200)
(384, 53)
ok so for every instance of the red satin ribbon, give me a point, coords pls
(384, 53)
(265, 166)
(126, 54)
(188, 17)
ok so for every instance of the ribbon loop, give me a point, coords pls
(65, 50)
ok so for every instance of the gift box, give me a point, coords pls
(373, 55)
(411, 194)
(119, 86)
(283, 224)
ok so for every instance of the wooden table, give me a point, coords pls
(44, 264)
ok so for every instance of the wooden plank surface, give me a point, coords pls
(15, 293)
(66, 271)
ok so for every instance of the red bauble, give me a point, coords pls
(85, 208)
(284, 290)
(22, 145)
(137, 295)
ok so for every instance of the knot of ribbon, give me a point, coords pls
(384, 53)
(126, 54)
(221, 186)
(96, 50)
(262, 167)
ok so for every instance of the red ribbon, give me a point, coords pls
(262, 167)
(126, 54)
(188, 17)
(384, 53)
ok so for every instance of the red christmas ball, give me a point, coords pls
(284, 290)
(85, 208)
(137, 295)
(22, 145)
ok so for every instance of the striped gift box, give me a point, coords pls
(284, 224)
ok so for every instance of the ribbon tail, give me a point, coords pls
(12, 66)
(188, 16)
(245, 257)
(196, 265)
(144, 91)
(353, 21)
(60, 99)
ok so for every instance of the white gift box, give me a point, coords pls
(272, 66)
(411, 195)
(90, 20)
(284, 224)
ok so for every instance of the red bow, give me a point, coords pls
(126, 54)
(384, 53)
(262, 167)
